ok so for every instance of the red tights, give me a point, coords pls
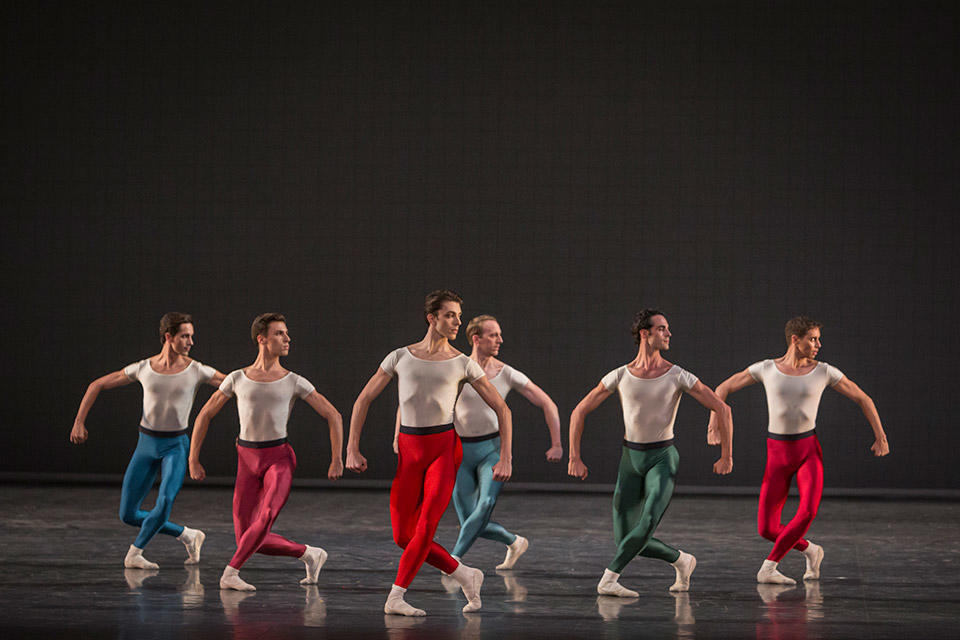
(263, 486)
(421, 490)
(786, 458)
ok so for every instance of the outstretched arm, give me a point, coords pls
(705, 396)
(539, 398)
(78, 435)
(216, 379)
(732, 384)
(335, 423)
(576, 467)
(200, 426)
(504, 468)
(377, 383)
(847, 387)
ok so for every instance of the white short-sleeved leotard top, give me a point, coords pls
(649, 404)
(264, 407)
(168, 397)
(428, 389)
(473, 417)
(792, 401)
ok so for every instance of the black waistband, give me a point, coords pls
(646, 446)
(163, 434)
(489, 436)
(426, 431)
(791, 436)
(261, 444)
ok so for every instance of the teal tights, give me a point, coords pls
(644, 488)
(475, 496)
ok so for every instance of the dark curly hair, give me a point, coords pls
(643, 321)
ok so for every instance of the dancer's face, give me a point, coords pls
(183, 341)
(277, 339)
(658, 336)
(809, 344)
(446, 322)
(489, 339)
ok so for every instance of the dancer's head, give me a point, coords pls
(176, 329)
(442, 312)
(803, 334)
(269, 331)
(484, 335)
(650, 327)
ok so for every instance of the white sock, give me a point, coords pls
(470, 580)
(395, 604)
(514, 550)
(231, 580)
(450, 584)
(609, 585)
(684, 566)
(192, 539)
(135, 560)
(768, 574)
(814, 556)
(313, 558)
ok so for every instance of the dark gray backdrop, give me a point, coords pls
(559, 165)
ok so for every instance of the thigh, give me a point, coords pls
(489, 488)
(659, 483)
(173, 469)
(466, 490)
(810, 479)
(627, 497)
(140, 474)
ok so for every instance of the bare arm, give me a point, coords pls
(504, 468)
(78, 435)
(335, 423)
(216, 379)
(200, 426)
(705, 396)
(848, 388)
(591, 401)
(375, 385)
(732, 384)
(539, 398)
(396, 434)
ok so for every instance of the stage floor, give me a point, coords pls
(892, 570)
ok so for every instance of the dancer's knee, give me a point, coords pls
(129, 516)
(767, 530)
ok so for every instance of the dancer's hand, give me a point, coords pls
(78, 435)
(555, 454)
(723, 466)
(396, 446)
(336, 469)
(577, 469)
(502, 470)
(880, 447)
(713, 430)
(356, 462)
(197, 472)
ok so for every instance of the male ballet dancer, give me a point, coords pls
(650, 390)
(170, 380)
(265, 394)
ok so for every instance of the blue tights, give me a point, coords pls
(475, 496)
(153, 454)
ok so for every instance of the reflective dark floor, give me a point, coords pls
(892, 570)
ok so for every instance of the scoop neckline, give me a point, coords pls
(424, 360)
(636, 377)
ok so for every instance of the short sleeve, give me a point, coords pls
(389, 363)
(612, 380)
(687, 380)
(227, 387)
(304, 388)
(834, 375)
(756, 370)
(206, 372)
(132, 370)
(516, 378)
(473, 370)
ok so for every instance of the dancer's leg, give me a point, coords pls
(484, 456)
(810, 487)
(782, 463)
(466, 492)
(640, 502)
(277, 479)
(137, 481)
(173, 469)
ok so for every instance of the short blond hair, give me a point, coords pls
(475, 327)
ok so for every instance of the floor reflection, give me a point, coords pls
(787, 609)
